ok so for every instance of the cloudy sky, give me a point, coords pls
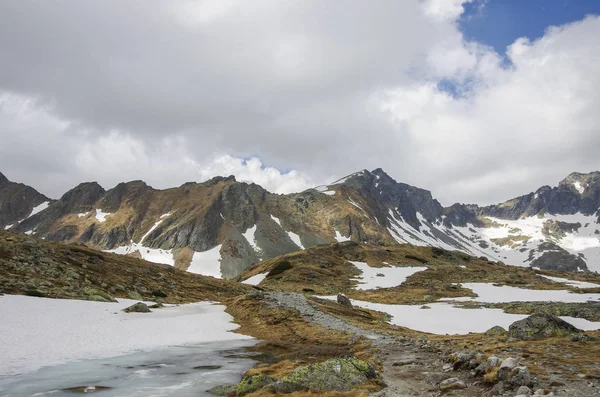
(478, 101)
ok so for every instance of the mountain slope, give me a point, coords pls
(18, 201)
(221, 227)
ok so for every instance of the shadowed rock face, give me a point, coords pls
(249, 224)
(17, 201)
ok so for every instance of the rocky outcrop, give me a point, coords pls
(17, 201)
(540, 326)
(139, 307)
(554, 257)
(249, 224)
(338, 374)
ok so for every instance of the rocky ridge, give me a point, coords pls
(236, 224)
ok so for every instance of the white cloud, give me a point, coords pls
(445, 10)
(252, 170)
(186, 90)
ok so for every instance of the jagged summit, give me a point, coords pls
(3, 180)
(235, 224)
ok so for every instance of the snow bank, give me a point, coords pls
(276, 220)
(489, 293)
(207, 263)
(38, 332)
(39, 208)
(340, 238)
(572, 283)
(392, 276)
(249, 236)
(296, 239)
(443, 318)
(256, 279)
(101, 216)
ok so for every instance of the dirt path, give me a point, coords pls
(411, 368)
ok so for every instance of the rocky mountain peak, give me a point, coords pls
(580, 182)
(3, 180)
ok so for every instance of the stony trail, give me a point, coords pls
(411, 368)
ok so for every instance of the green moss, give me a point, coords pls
(253, 383)
(338, 374)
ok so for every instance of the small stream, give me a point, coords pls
(174, 371)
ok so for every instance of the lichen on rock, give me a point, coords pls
(337, 374)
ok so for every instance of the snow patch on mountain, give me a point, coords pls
(340, 238)
(276, 220)
(249, 235)
(39, 208)
(579, 187)
(207, 263)
(383, 277)
(101, 216)
(296, 239)
(256, 279)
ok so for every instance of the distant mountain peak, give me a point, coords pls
(3, 179)
(580, 181)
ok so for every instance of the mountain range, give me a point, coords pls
(221, 227)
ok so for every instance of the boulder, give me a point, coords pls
(497, 390)
(487, 365)
(506, 368)
(337, 374)
(496, 331)
(138, 308)
(452, 384)
(253, 383)
(524, 391)
(343, 300)
(520, 376)
(539, 326)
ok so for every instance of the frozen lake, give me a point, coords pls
(171, 371)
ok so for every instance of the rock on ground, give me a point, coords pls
(138, 308)
(337, 374)
(539, 326)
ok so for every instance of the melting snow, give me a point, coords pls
(444, 318)
(39, 208)
(165, 215)
(489, 293)
(43, 332)
(207, 263)
(249, 236)
(572, 283)
(7, 227)
(578, 187)
(150, 231)
(329, 192)
(101, 216)
(392, 276)
(276, 220)
(354, 204)
(340, 238)
(81, 215)
(29, 232)
(296, 239)
(256, 279)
